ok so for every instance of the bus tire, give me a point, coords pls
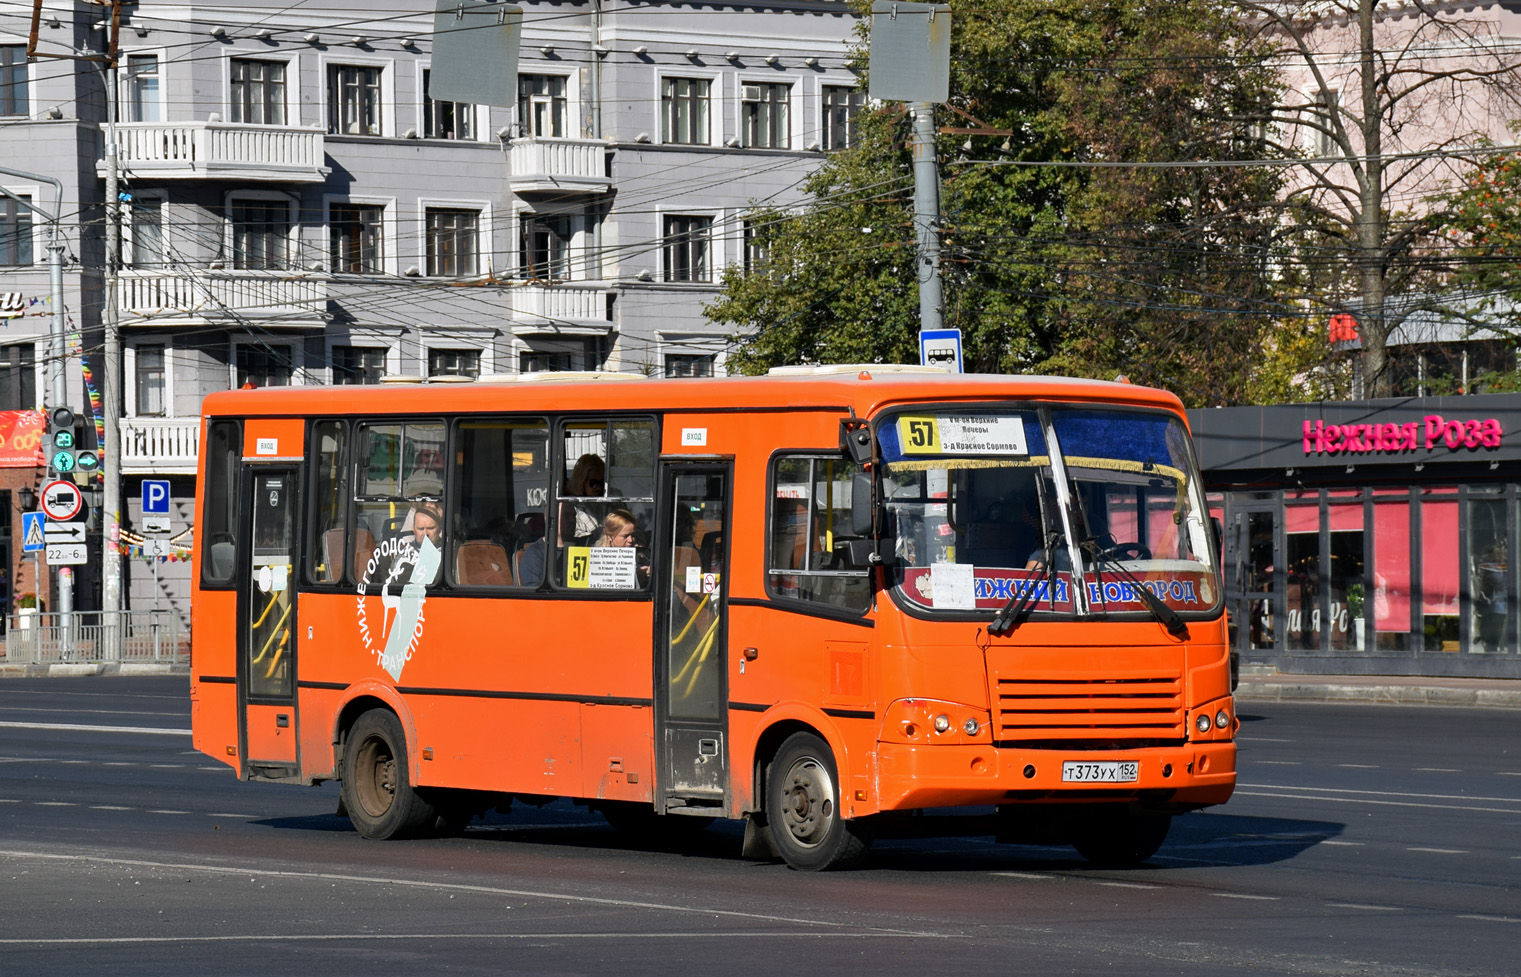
(377, 788)
(1120, 838)
(803, 809)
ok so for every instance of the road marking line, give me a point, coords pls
(1492, 919)
(166, 766)
(81, 728)
(1349, 844)
(1437, 770)
(1126, 885)
(1273, 763)
(489, 890)
(55, 804)
(1020, 875)
(547, 936)
(1369, 800)
(1386, 793)
(168, 812)
(232, 815)
(1508, 773)
(1363, 905)
(1441, 851)
(110, 807)
(1242, 895)
(1359, 766)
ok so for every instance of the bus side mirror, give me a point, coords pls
(1218, 528)
(860, 504)
(855, 440)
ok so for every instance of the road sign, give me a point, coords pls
(64, 554)
(32, 531)
(941, 347)
(156, 505)
(62, 500)
(64, 532)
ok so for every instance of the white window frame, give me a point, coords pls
(390, 230)
(32, 192)
(830, 81)
(387, 68)
(716, 127)
(485, 264)
(294, 241)
(572, 100)
(450, 344)
(388, 343)
(130, 351)
(124, 82)
(480, 114)
(716, 248)
(129, 229)
(298, 375)
(33, 110)
(794, 116)
(292, 83)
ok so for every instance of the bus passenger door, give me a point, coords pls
(267, 631)
(690, 635)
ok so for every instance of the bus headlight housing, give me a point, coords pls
(934, 722)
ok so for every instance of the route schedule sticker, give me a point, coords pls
(962, 434)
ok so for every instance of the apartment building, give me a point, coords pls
(296, 208)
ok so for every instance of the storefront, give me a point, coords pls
(1370, 537)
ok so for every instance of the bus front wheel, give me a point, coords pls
(1120, 838)
(377, 788)
(803, 809)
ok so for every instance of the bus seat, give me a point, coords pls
(528, 526)
(481, 563)
(364, 548)
(223, 555)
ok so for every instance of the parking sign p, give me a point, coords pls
(156, 497)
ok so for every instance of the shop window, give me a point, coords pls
(1439, 569)
(1302, 587)
(1489, 586)
(1347, 623)
(1391, 572)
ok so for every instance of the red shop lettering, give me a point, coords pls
(1335, 439)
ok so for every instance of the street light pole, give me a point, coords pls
(110, 469)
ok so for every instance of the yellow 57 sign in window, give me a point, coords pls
(962, 434)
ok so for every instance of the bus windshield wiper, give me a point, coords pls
(1019, 607)
(1170, 618)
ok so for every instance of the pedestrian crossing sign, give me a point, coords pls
(32, 536)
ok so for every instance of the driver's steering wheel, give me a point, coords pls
(1127, 551)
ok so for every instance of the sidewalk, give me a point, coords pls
(1411, 690)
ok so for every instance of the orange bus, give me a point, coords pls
(807, 600)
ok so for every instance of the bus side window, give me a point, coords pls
(807, 558)
(399, 473)
(501, 479)
(326, 563)
(606, 511)
(223, 455)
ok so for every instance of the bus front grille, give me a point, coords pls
(1108, 712)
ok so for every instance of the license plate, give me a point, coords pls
(1100, 772)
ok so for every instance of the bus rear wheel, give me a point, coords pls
(803, 809)
(377, 788)
(1120, 838)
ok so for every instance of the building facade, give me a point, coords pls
(1370, 537)
(296, 209)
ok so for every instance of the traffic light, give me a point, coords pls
(66, 451)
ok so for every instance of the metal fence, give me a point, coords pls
(96, 636)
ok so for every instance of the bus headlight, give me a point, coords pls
(942, 723)
(1201, 722)
(1222, 719)
(970, 726)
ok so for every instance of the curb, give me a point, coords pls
(1424, 695)
(81, 669)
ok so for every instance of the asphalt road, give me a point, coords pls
(1363, 839)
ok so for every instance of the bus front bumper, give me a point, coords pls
(1176, 778)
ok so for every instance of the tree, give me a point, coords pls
(1380, 104)
(1053, 259)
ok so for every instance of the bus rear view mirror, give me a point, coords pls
(860, 504)
(1218, 528)
(855, 440)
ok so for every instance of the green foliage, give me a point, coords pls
(1158, 273)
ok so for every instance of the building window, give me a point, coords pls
(757, 247)
(15, 231)
(142, 101)
(264, 366)
(150, 379)
(689, 365)
(261, 232)
(353, 100)
(354, 232)
(763, 120)
(544, 250)
(451, 241)
(446, 120)
(454, 363)
(13, 80)
(841, 106)
(686, 248)
(1325, 114)
(538, 361)
(684, 111)
(358, 365)
(18, 377)
(258, 91)
(542, 106)
(147, 232)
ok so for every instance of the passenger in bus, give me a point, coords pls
(619, 529)
(427, 523)
(578, 522)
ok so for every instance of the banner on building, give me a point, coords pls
(21, 438)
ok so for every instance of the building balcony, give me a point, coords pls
(569, 309)
(213, 297)
(219, 151)
(558, 166)
(160, 445)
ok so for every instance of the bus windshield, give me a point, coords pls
(1067, 510)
